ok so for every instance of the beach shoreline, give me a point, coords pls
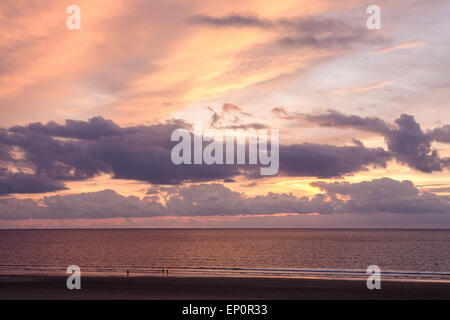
(50, 287)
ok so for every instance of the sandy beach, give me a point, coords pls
(212, 288)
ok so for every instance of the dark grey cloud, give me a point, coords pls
(322, 33)
(94, 128)
(216, 199)
(336, 119)
(5, 150)
(412, 146)
(79, 150)
(99, 146)
(405, 139)
(94, 205)
(368, 197)
(232, 20)
(326, 161)
(19, 182)
(139, 153)
(322, 42)
(307, 25)
(383, 196)
(441, 134)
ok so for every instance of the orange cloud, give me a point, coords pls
(362, 88)
(410, 44)
(133, 59)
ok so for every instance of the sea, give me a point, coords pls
(416, 255)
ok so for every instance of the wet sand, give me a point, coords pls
(212, 288)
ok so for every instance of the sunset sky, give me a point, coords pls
(87, 115)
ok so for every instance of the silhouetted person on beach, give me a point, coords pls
(128, 273)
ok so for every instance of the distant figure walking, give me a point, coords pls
(128, 273)
(163, 271)
(167, 271)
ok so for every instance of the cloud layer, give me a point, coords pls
(39, 158)
(405, 139)
(78, 150)
(369, 197)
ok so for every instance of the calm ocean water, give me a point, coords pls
(418, 254)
